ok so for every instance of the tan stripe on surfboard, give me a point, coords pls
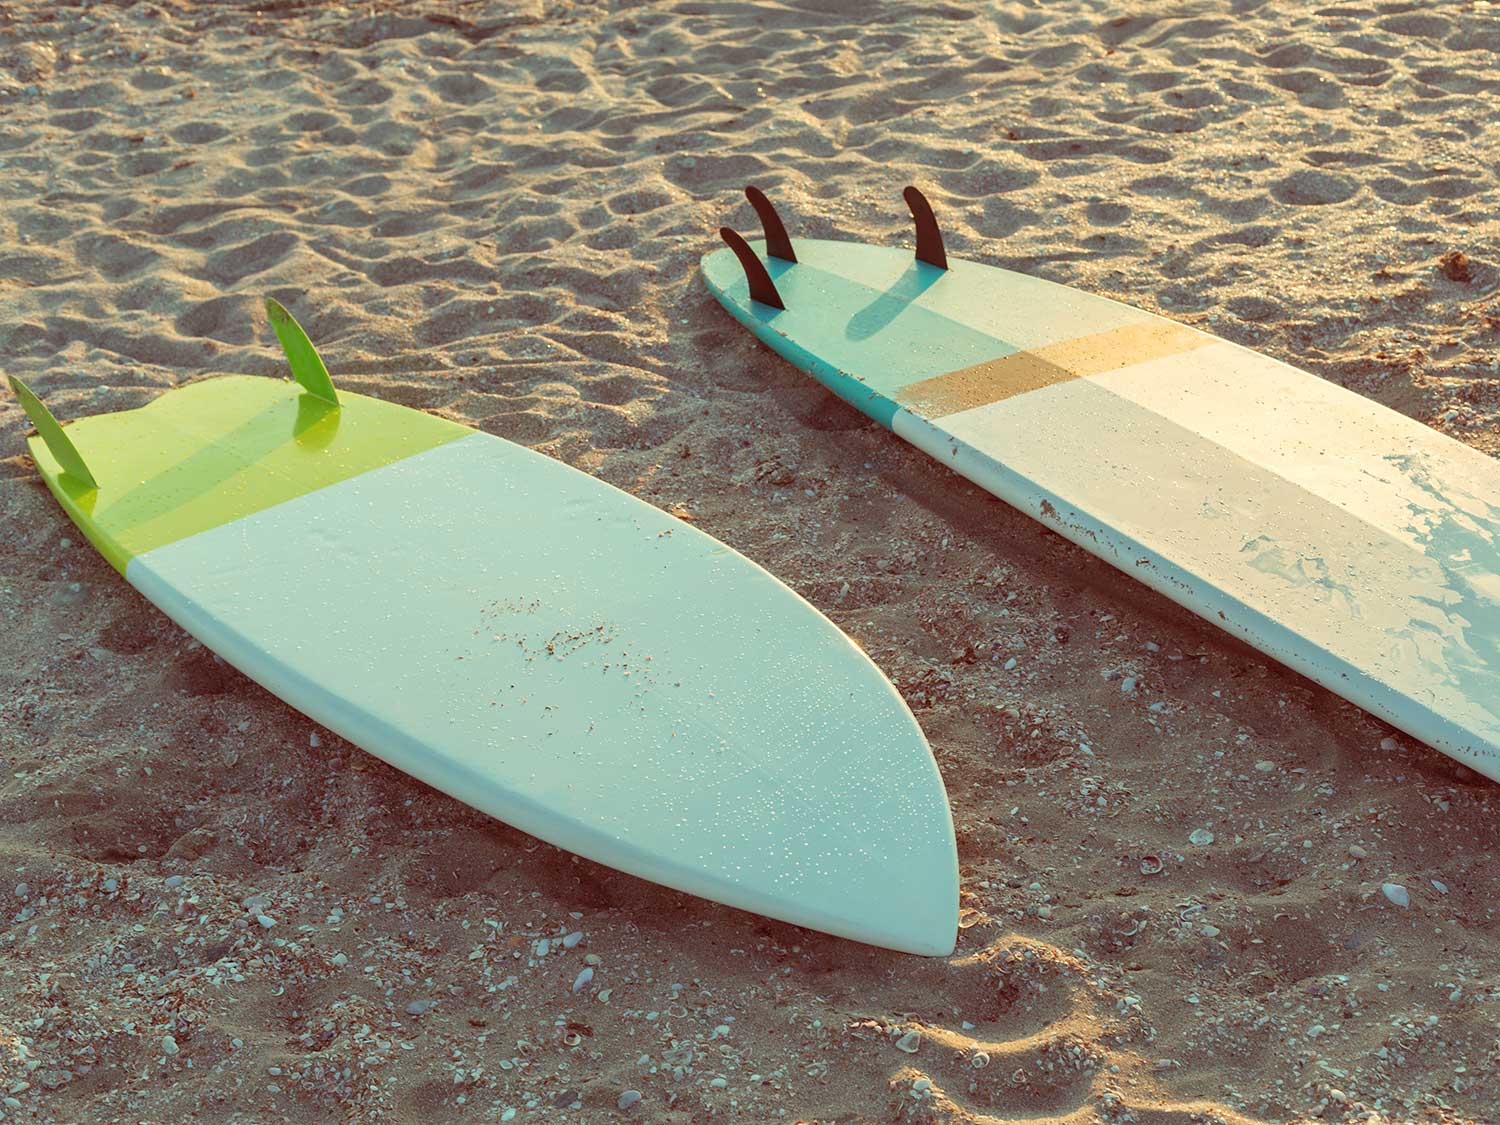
(1019, 372)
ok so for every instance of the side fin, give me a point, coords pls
(778, 245)
(58, 442)
(307, 365)
(762, 288)
(929, 237)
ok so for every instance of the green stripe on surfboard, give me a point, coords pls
(205, 454)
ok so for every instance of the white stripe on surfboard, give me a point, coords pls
(580, 665)
(1213, 458)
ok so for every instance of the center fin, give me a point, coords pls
(58, 443)
(929, 237)
(307, 365)
(778, 245)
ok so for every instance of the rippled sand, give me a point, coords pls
(495, 212)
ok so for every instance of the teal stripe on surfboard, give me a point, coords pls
(867, 323)
(858, 341)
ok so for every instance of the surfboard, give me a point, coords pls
(526, 638)
(1347, 541)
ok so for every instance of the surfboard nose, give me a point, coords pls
(918, 909)
(879, 860)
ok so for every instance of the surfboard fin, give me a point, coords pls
(929, 237)
(778, 245)
(307, 365)
(762, 288)
(58, 443)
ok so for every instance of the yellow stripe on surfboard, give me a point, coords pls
(1020, 372)
(205, 454)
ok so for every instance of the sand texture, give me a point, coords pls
(212, 911)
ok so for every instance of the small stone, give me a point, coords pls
(22, 890)
(313, 740)
(1202, 837)
(922, 1085)
(628, 1099)
(111, 885)
(265, 920)
(542, 947)
(1265, 766)
(419, 1007)
(1127, 685)
(172, 882)
(1358, 852)
(1389, 744)
(593, 959)
(719, 1083)
(1396, 894)
(1439, 886)
(169, 1045)
(572, 940)
(1455, 266)
(1208, 930)
(340, 959)
(581, 981)
(909, 1042)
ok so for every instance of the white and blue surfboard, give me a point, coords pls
(1345, 540)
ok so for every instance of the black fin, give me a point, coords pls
(929, 238)
(778, 245)
(762, 289)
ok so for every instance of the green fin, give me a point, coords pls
(307, 365)
(58, 442)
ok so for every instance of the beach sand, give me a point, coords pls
(212, 911)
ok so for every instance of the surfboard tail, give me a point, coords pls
(57, 441)
(307, 365)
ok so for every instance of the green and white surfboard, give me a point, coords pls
(1345, 540)
(526, 638)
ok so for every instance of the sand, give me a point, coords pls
(213, 911)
